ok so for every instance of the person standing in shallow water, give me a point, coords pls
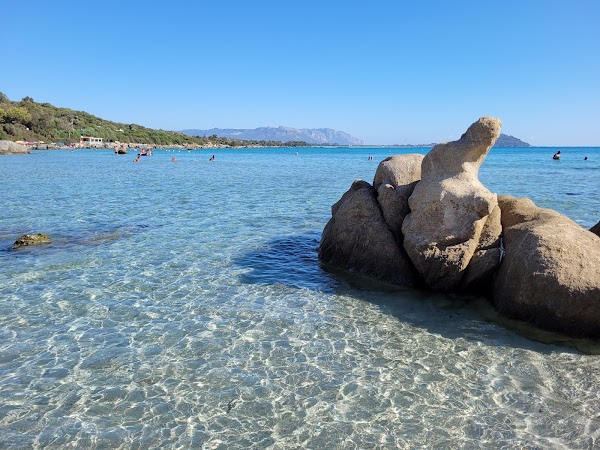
(556, 155)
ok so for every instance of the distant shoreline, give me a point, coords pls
(194, 147)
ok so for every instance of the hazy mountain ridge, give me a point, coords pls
(504, 140)
(316, 136)
(283, 134)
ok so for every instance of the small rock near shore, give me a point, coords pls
(12, 148)
(32, 239)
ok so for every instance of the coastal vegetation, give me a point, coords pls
(29, 121)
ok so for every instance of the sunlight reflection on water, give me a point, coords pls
(182, 305)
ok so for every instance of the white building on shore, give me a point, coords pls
(89, 141)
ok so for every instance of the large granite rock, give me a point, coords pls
(550, 274)
(453, 229)
(357, 238)
(32, 239)
(12, 148)
(596, 229)
(398, 170)
(545, 269)
(395, 180)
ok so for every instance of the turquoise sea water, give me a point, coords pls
(182, 305)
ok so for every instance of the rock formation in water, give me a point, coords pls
(357, 238)
(550, 274)
(456, 232)
(395, 180)
(32, 239)
(12, 148)
(452, 233)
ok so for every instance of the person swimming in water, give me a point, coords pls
(556, 155)
(212, 158)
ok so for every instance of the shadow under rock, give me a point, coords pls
(455, 316)
(290, 260)
(293, 261)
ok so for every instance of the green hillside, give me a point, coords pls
(29, 121)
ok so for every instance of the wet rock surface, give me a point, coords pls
(32, 239)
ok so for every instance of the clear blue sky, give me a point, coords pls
(384, 71)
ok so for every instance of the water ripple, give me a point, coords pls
(183, 306)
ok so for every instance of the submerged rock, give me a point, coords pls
(550, 274)
(453, 216)
(32, 239)
(12, 148)
(357, 238)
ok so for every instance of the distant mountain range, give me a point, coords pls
(283, 134)
(326, 136)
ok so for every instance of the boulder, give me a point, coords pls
(395, 179)
(596, 229)
(357, 238)
(453, 217)
(398, 170)
(32, 239)
(485, 261)
(12, 148)
(550, 274)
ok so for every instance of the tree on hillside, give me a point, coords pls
(3, 98)
(16, 114)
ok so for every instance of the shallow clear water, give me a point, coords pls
(182, 305)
